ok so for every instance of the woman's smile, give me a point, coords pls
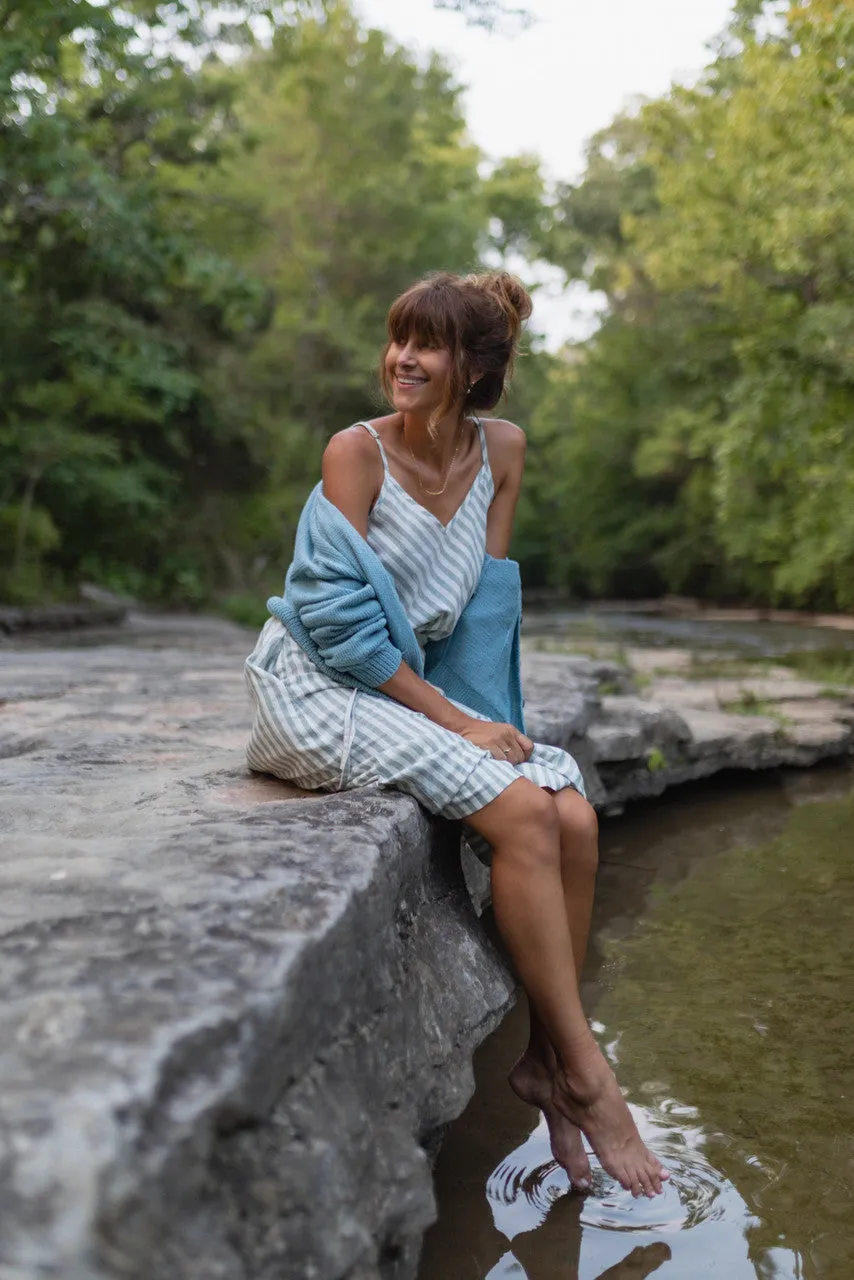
(418, 374)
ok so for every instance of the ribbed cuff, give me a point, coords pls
(381, 666)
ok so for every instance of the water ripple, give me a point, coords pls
(525, 1185)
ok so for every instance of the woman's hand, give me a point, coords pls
(503, 741)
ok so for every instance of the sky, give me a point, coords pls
(548, 88)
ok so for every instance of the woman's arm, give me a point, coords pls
(352, 478)
(352, 475)
(503, 741)
(506, 445)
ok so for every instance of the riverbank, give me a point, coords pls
(230, 1041)
(691, 609)
(662, 717)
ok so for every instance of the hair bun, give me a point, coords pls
(510, 294)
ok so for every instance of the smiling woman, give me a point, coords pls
(399, 570)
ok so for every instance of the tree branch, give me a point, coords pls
(490, 14)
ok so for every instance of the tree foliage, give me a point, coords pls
(714, 411)
(205, 210)
(487, 13)
(356, 178)
(196, 255)
(110, 420)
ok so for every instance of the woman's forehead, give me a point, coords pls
(423, 319)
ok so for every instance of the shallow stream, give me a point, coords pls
(720, 981)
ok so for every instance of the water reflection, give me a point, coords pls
(700, 1216)
(722, 978)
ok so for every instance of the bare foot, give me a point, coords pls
(531, 1080)
(600, 1111)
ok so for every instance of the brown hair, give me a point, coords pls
(478, 318)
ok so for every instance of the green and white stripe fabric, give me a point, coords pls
(318, 734)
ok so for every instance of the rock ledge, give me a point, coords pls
(235, 1016)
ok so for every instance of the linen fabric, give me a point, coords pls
(340, 603)
(342, 607)
(309, 728)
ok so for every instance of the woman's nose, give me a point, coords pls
(407, 353)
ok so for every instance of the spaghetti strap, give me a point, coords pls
(480, 431)
(483, 450)
(368, 427)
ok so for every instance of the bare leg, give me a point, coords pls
(522, 825)
(533, 1075)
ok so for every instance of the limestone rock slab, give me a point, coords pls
(227, 1029)
(236, 1016)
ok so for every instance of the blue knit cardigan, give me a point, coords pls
(341, 606)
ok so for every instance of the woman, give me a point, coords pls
(432, 491)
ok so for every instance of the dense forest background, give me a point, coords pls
(204, 213)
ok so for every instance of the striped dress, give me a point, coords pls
(319, 734)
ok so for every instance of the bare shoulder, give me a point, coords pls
(506, 444)
(350, 446)
(352, 474)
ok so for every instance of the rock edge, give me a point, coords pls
(236, 1016)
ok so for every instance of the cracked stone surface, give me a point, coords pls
(683, 729)
(236, 1016)
(227, 1033)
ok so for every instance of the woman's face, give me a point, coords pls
(417, 375)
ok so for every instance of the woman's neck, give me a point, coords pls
(437, 445)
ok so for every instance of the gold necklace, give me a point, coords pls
(435, 493)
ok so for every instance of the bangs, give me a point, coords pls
(476, 319)
(426, 315)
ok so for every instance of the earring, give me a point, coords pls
(468, 389)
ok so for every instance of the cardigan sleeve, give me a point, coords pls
(341, 625)
(347, 624)
(340, 603)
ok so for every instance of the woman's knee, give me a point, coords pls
(579, 828)
(522, 823)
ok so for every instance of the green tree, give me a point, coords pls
(160, 207)
(110, 417)
(755, 185)
(713, 411)
(357, 179)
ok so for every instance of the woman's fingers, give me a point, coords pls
(502, 741)
(513, 746)
(503, 746)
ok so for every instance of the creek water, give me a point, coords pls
(601, 627)
(720, 982)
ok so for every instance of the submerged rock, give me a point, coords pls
(236, 1016)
